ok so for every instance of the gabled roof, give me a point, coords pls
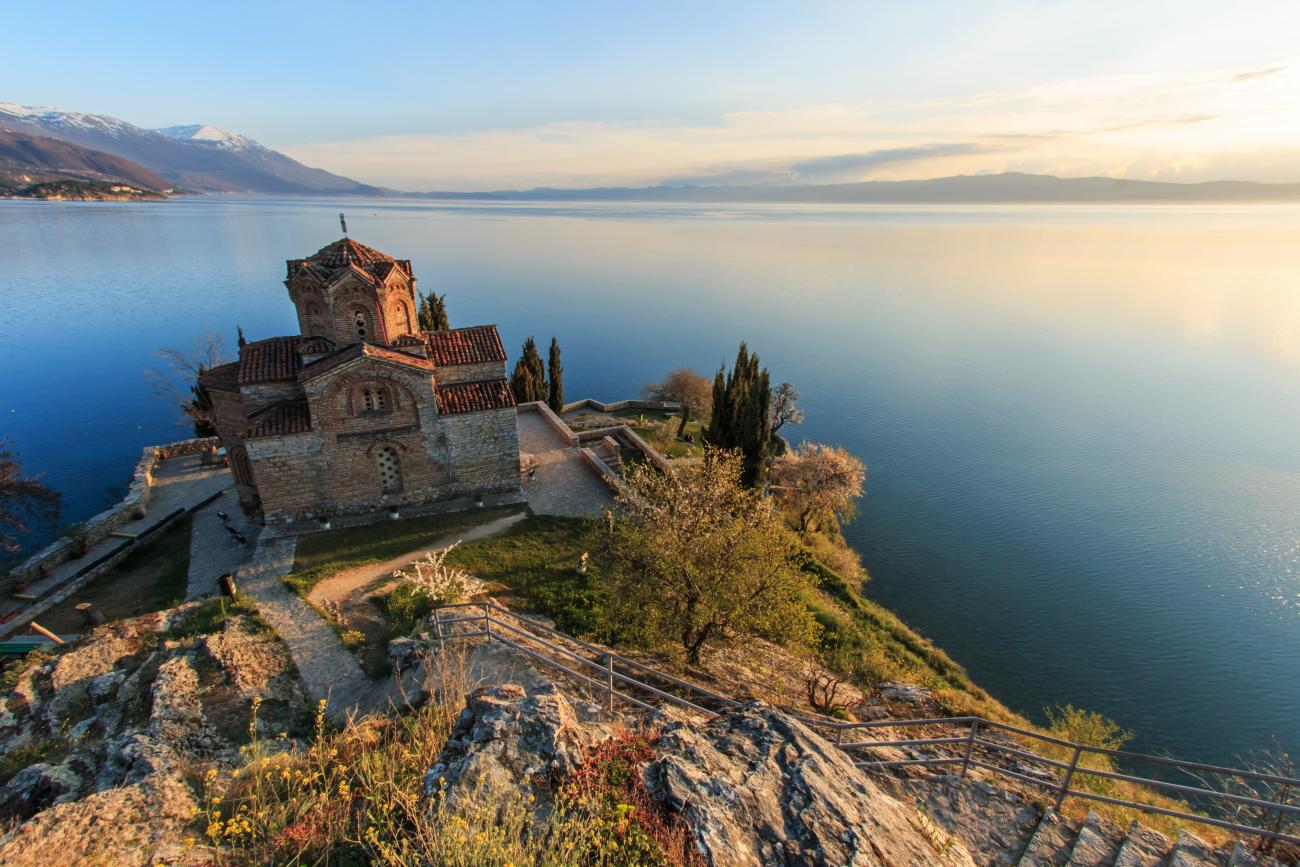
(222, 378)
(474, 345)
(286, 417)
(464, 397)
(346, 254)
(339, 357)
(272, 360)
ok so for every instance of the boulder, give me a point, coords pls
(507, 739)
(905, 692)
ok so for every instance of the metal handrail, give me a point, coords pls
(1058, 784)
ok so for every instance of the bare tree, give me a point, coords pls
(24, 500)
(785, 409)
(815, 481)
(684, 386)
(176, 380)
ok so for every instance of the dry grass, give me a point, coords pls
(356, 796)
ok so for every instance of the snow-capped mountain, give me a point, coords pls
(209, 135)
(193, 157)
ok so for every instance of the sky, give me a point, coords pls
(486, 95)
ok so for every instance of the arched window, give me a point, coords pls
(390, 471)
(403, 318)
(359, 320)
(374, 398)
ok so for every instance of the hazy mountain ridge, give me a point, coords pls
(1004, 188)
(195, 157)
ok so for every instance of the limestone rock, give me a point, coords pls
(506, 739)
(760, 788)
(116, 724)
(905, 692)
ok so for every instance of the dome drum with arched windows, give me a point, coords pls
(362, 410)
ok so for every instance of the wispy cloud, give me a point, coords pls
(1173, 123)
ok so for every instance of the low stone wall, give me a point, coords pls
(631, 438)
(133, 506)
(619, 405)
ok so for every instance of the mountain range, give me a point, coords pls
(1004, 188)
(196, 157)
(207, 159)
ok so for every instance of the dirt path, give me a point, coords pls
(343, 584)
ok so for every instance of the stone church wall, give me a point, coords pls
(483, 449)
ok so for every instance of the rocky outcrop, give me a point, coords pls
(508, 740)
(759, 788)
(102, 741)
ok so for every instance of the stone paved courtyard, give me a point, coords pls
(564, 484)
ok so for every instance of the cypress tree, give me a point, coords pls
(432, 315)
(742, 413)
(528, 381)
(555, 389)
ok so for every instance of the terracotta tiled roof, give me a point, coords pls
(465, 397)
(223, 378)
(286, 417)
(345, 251)
(326, 363)
(474, 345)
(271, 360)
(346, 254)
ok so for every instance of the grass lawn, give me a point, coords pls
(150, 578)
(537, 559)
(320, 555)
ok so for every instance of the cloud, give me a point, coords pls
(1103, 125)
(1258, 73)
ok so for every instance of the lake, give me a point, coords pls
(1082, 424)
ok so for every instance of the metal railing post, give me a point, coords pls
(609, 679)
(1069, 775)
(437, 627)
(970, 747)
(839, 736)
(487, 623)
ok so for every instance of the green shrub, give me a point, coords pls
(211, 616)
(406, 606)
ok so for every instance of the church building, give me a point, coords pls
(361, 411)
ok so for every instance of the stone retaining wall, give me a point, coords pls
(133, 506)
(619, 405)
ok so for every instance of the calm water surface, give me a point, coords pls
(1082, 425)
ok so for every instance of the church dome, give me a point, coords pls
(346, 254)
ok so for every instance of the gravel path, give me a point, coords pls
(328, 671)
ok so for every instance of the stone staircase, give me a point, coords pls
(1002, 828)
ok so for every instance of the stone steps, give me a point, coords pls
(1096, 843)
(1050, 844)
(1142, 847)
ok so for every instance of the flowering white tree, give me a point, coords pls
(816, 481)
(443, 584)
